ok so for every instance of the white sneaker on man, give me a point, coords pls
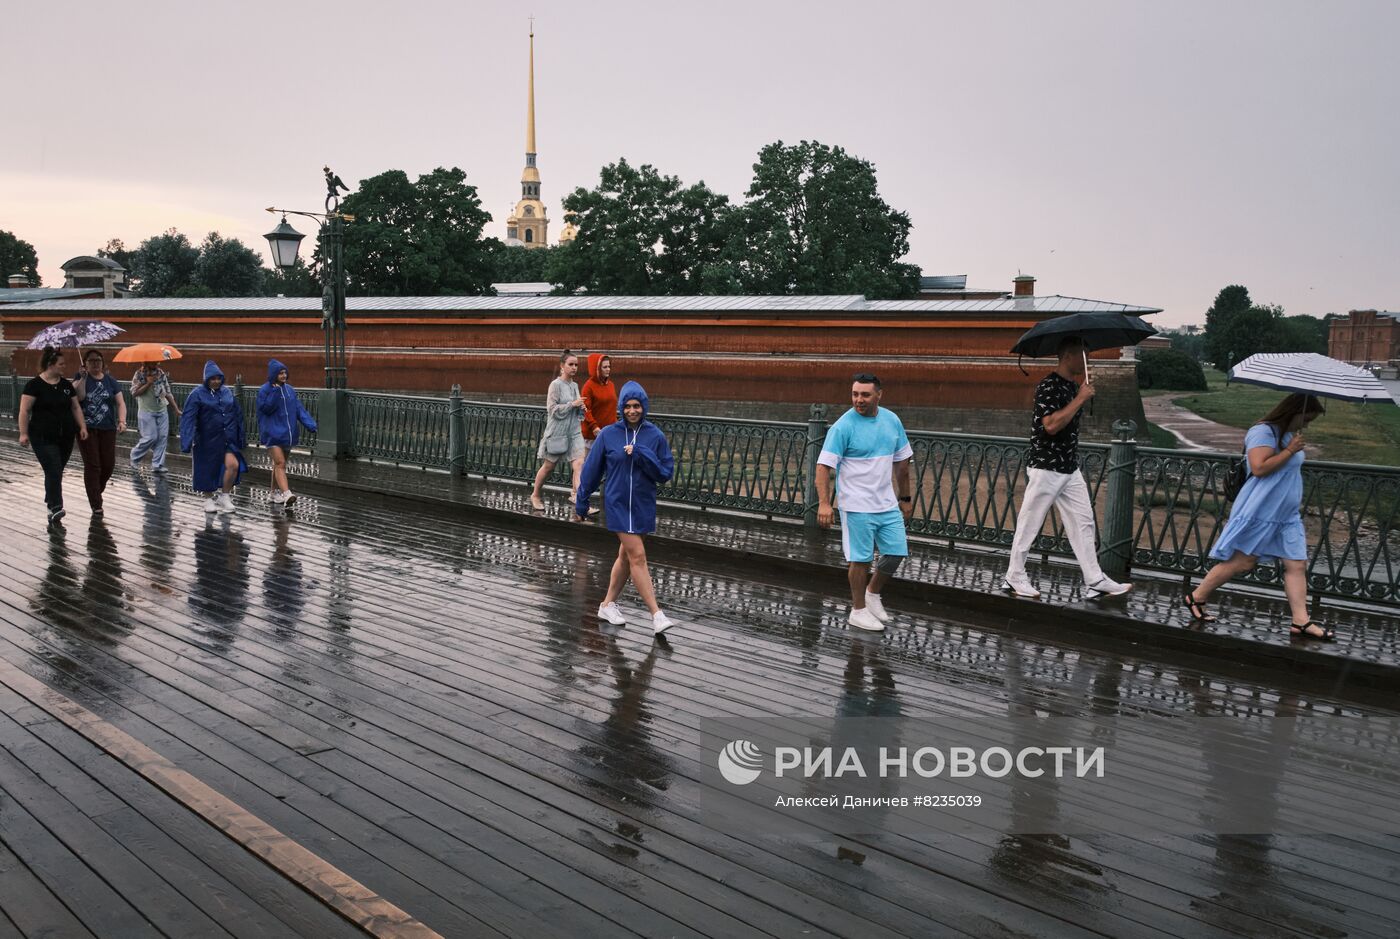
(876, 606)
(211, 504)
(660, 622)
(612, 614)
(1106, 586)
(226, 503)
(288, 497)
(864, 619)
(278, 497)
(1020, 585)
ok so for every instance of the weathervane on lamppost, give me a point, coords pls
(285, 240)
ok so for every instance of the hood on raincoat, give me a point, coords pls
(212, 370)
(595, 362)
(633, 391)
(273, 367)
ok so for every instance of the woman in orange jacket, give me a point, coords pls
(599, 397)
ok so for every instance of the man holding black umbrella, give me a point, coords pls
(1052, 468)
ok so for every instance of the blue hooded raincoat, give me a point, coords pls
(280, 414)
(629, 480)
(212, 424)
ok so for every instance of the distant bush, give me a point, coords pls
(1170, 369)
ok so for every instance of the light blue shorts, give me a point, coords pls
(863, 532)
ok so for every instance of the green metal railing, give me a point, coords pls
(1158, 510)
(1351, 514)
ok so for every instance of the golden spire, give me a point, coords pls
(530, 124)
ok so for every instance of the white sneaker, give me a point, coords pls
(612, 614)
(1106, 586)
(875, 605)
(278, 497)
(864, 619)
(226, 503)
(211, 504)
(660, 622)
(1020, 585)
(288, 497)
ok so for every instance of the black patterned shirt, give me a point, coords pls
(1056, 452)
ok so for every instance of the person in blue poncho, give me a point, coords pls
(630, 457)
(212, 425)
(280, 420)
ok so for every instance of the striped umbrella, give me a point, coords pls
(1310, 373)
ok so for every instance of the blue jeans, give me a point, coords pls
(155, 435)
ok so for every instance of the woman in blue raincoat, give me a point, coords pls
(212, 424)
(280, 420)
(630, 458)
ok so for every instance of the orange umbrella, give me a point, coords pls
(147, 352)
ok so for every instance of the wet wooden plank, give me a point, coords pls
(59, 863)
(460, 668)
(28, 903)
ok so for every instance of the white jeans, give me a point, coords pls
(1070, 494)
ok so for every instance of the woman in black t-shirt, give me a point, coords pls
(50, 417)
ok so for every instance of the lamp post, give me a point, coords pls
(284, 240)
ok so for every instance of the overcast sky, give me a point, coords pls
(1142, 152)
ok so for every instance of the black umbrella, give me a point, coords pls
(1095, 330)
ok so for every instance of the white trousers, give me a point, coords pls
(1070, 494)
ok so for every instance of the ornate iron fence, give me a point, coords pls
(966, 488)
(1351, 514)
(1158, 509)
(400, 428)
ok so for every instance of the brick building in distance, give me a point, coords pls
(944, 359)
(1365, 337)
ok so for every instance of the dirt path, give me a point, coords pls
(1192, 431)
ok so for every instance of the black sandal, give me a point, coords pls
(1301, 632)
(1197, 609)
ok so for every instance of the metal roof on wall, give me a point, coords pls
(590, 304)
(35, 294)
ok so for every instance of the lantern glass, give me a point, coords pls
(284, 241)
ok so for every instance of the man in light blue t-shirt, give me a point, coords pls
(868, 450)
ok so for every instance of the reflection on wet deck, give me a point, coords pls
(431, 705)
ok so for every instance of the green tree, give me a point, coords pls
(515, 265)
(162, 265)
(815, 224)
(297, 281)
(1257, 329)
(228, 268)
(1303, 333)
(1171, 369)
(416, 238)
(117, 250)
(1192, 344)
(1230, 303)
(18, 257)
(642, 232)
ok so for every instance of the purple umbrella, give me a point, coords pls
(75, 333)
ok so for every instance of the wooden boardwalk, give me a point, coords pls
(427, 710)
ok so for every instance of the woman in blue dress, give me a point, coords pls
(212, 424)
(1266, 522)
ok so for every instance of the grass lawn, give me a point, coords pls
(1159, 437)
(1347, 433)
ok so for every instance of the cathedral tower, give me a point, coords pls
(528, 224)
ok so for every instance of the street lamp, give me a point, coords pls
(284, 240)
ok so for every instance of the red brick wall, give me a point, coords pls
(787, 362)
